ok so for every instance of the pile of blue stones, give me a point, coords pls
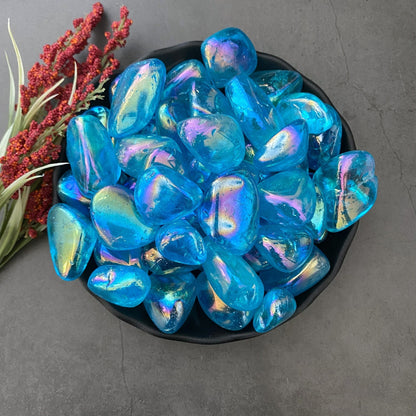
(215, 169)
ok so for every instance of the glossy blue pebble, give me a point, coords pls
(104, 255)
(125, 286)
(253, 110)
(71, 240)
(227, 54)
(349, 188)
(232, 279)
(101, 112)
(277, 307)
(170, 300)
(198, 173)
(136, 97)
(317, 224)
(256, 260)
(216, 140)
(181, 243)
(216, 310)
(91, 154)
(68, 192)
(163, 195)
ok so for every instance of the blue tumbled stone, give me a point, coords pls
(256, 260)
(317, 224)
(68, 192)
(198, 173)
(104, 255)
(102, 113)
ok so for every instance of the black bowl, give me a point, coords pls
(199, 328)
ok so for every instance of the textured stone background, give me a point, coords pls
(353, 352)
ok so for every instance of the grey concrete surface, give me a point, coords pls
(353, 352)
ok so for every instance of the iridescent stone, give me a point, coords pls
(308, 107)
(68, 192)
(284, 150)
(104, 255)
(100, 112)
(125, 286)
(117, 221)
(317, 225)
(288, 197)
(349, 188)
(181, 243)
(256, 260)
(198, 173)
(216, 140)
(136, 97)
(253, 110)
(277, 83)
(216, 310)
(277, 307)
(232, 279)
(91, 154)
(113, 87)
(137, 153)
(286, 249)
(228, 53)
(71, 240)
(163, 195)
(230, 212)
(326, 145)
(170, 300)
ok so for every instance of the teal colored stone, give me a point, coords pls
(228, 53)
(113, 87)
(230, 212)
(317, 224)
(104, 255)
(125, 286)
(170, 300)
(256, 260)
(68, 192)
(308, 107)
(91, 154)
(181, 243)
(287, 197)
(277, 83)
(117, 221)
(277, 307)
(198, 173)
(349, 187)
(101, 112)
(284, 150)
(216, 140)
(71, 240)
(136, 97)
(232, 279)
(162, 195)
(216, 310)
(253, 110)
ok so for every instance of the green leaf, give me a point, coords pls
(5, 141)
(12, 94)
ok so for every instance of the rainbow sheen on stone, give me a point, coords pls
(232, 279)
(181, 243)
(91, 154)
(317, 224)
(253, 110)
(228, 53)
(68, 192)
(101, 112)
(349, 188)
(163, 195)
(136, 97)
(277, 307)
(277, 83)
(113, 87)
(170, 300)
(308, 107)
(216, 310)
(256, 260)
(117, 221)
(104, 255)
(287, 197)
(216, 140)
(284, 150)
(71, 240)
(230, 212)
(125, 286)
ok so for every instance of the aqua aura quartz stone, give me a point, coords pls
(119, 225)
(181, 243)
(91, 154)
(163, 195)
(216, 140)
(198, 173)
(136, 97)
(253, 110)
(256, 260)
(232, 279)
(101, 112)
(104, 255)
(284, 150)
(349, 188)
(317, 224)
(287, 197)
(227, 54)
(125, 286)
(71, 240)
(69, 193)
(170, 300)
(216, 310)
(277, 307)
(277, 83)
(230, 212)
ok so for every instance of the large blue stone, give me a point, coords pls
(102, 113)
(104, 255)
(317, 224)
(69, 193)
(256, 260)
